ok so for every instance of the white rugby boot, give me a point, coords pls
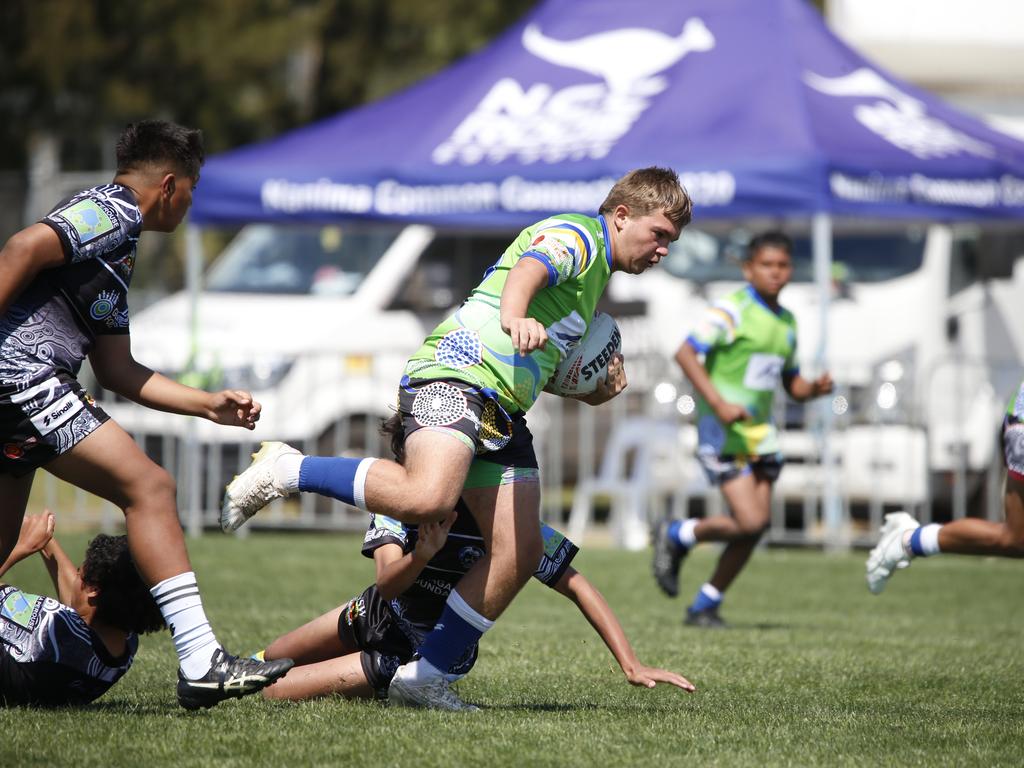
(431, 693)
(256, 487)
(889, 554)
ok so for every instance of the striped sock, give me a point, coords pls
(707, 597)
(924, 540)
(459, 629)
(182, 608)
(336, 476)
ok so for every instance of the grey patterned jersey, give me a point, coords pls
(55, 320)
(49, 655)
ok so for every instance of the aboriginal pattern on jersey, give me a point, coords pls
(53, 323)
(422, 603)
(58, 647)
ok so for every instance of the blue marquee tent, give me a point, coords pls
(756, 103)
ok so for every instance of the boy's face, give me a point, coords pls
(768, 269)
(640, 242)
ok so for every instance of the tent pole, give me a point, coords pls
(832, 510)
(190, 443)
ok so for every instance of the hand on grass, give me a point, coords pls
(648, 677)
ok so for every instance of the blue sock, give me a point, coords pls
(332, 476)
(448, 642)
(707, 597)
(673, 533)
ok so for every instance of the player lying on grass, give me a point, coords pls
(355, 649)
(73, 649)
(903, 538)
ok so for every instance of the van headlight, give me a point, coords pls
(893, 387)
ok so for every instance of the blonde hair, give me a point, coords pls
(651, 190)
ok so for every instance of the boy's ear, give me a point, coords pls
(167, 185)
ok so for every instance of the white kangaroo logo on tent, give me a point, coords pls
(901, 119)
(621, 56)
(576, 122)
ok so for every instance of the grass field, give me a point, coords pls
(814, 671)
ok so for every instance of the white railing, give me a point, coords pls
(615, 468)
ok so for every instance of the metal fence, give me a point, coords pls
(609, 471)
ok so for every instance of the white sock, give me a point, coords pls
(930, 539)
(418, 671)
(286, 470)
(712, 592)
(468, 613)
(687, 532)
(182, 609)
(359, 483)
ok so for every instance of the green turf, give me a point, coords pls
(814, 671)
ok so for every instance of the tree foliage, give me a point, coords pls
(241, 70)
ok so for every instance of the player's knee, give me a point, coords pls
(153, 486)
(1011, 542)
(429, 505)
(752, 528)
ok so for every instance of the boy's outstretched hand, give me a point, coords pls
(233, 408)
(648, 677)
(36, 532)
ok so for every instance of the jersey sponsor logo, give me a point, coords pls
(56, 414)
(435, 586)
(355, 609)
(469, 555)
(22, 608)
(538, 240)
(87, 219)
(17, 450)
(763, 372)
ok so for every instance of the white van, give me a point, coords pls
(316, 321)
(925, 333)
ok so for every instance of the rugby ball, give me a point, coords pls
(587, 363)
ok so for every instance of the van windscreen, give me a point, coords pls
(329, 261)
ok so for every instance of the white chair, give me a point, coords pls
(663, 468)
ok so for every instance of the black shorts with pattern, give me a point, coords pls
(368, 623)
(473, 413)
(43, 417)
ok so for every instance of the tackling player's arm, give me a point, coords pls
(396, 572)
(36, 531)
(118, 371)
(63, 572)
(802, 389)
(23, 256)
(597, 611)
(695, 371)
(525, 280)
